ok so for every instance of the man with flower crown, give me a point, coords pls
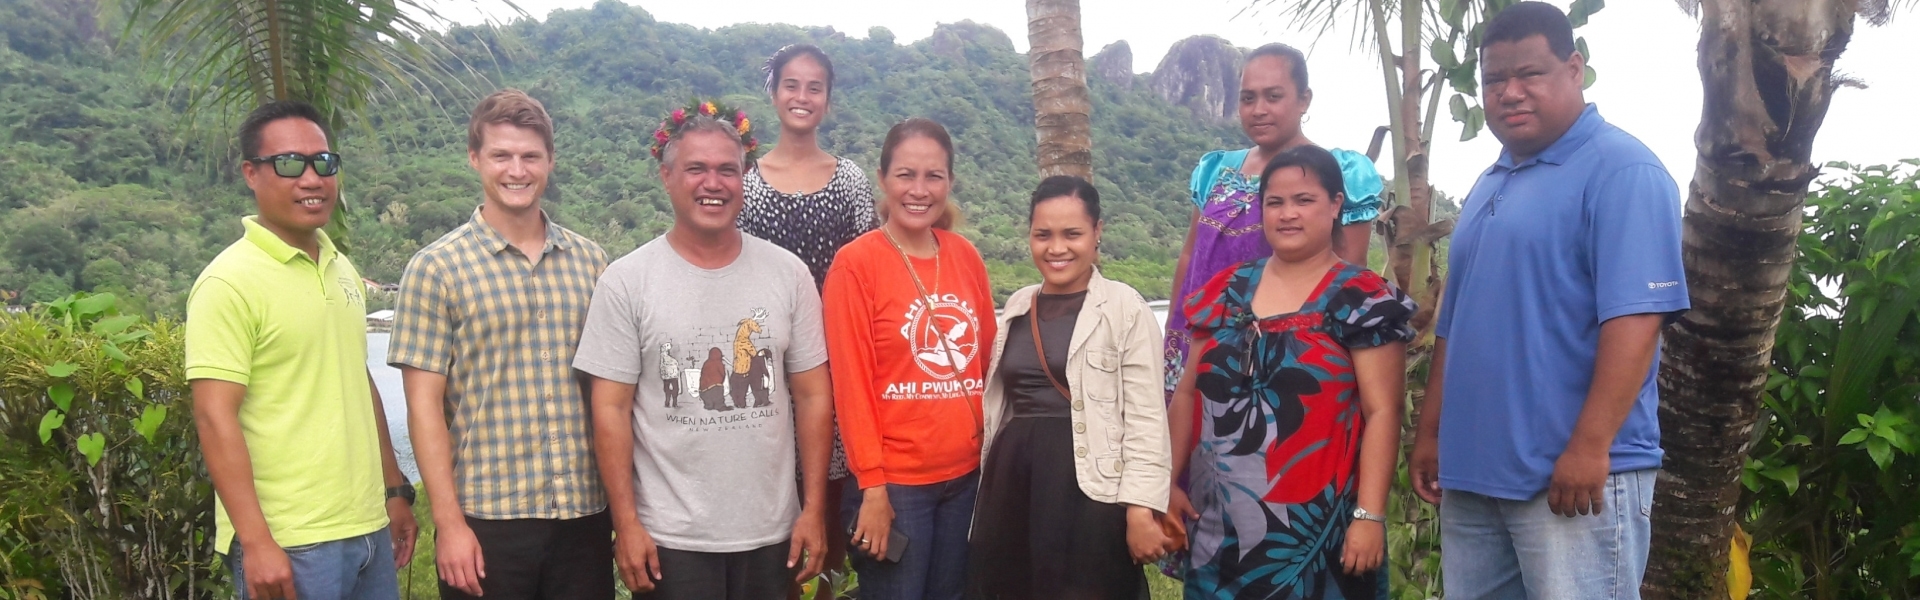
(702, 496)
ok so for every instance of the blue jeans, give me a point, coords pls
(1508, 549)
(356, 568)
(935, 518)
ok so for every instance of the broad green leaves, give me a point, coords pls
(95, 319)
(62, 395)
(148, 423)
(1787, 474)
(92, 446)
(94, 474)
(1881, 433)
(1836, 453)
(1460, 69)
(1582, 9)
(52, 421)
(113, 325)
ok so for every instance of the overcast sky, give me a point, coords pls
(1644, 50)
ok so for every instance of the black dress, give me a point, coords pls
(1035, 533)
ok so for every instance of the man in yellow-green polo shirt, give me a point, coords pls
(309, 501)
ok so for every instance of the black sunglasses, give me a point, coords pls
(294, 164)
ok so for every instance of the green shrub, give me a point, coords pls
(100, 473)
(1830, 481)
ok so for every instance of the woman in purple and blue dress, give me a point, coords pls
(1224, 189)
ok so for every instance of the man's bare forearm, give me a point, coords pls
(813, 418)
(613, 448)
(1627, 346)
(432, 443)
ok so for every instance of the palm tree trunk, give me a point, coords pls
(1767, 70)
(1062, 111)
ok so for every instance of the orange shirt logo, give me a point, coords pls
(945, 339)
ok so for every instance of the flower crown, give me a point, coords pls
(741, 125)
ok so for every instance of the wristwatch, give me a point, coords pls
(1361, 514)
(403, 491)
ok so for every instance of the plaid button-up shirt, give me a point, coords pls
(502, 328)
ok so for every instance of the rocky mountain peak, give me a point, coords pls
(953, 39)
(1201, 73)
(1114, 64)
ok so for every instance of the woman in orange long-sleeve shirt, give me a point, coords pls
(910, 325)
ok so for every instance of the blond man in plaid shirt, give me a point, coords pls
(484, 335)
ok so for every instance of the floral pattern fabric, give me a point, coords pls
(1279, 421)
(1227, 234)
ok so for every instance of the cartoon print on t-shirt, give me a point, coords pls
(743, 351)
(670, 374)
(760, 378)
(713, 381)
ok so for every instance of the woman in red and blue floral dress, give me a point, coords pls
(1289, 410)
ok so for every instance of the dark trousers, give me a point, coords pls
(543, 559)
(935, 518)
(758, 574)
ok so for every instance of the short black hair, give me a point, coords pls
(1066, 186)
(1319, 163)
(781, 57)
(1296, 63)
(1528, 19)
(274, 111)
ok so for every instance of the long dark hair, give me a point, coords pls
(1319, 163)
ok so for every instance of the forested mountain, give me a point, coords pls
(103, 188)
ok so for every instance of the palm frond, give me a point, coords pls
(1881, 12)
(1439, 19)
(1318, 17)
(336, 54)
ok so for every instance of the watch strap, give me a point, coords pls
(403, 492)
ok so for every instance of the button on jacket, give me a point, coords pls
(1114, 371)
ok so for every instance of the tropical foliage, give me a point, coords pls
(1836, 454)
(101, 492)
(95, 166)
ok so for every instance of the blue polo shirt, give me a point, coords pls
(1546, 250)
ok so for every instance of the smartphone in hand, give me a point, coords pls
(896, 545)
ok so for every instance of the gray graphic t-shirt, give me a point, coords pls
(713, 452)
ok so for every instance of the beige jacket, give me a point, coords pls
(1114, 371)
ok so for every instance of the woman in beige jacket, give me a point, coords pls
(1075, 456)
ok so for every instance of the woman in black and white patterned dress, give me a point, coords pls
(810, 202)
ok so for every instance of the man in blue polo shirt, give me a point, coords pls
(1565, 266)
